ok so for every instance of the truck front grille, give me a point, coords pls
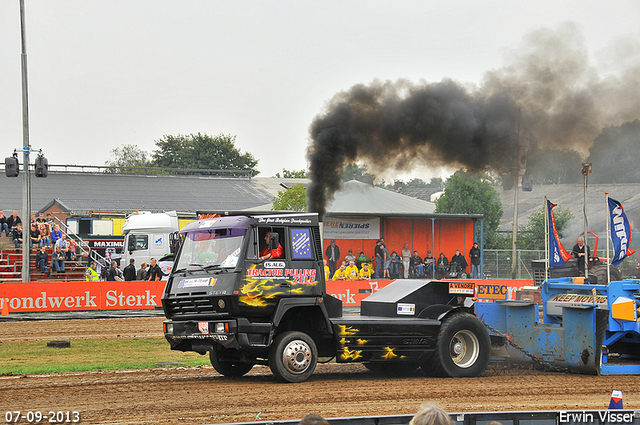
(187, 304)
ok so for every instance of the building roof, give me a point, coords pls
(356, 197)
(81, 193)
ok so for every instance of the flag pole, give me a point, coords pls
(606, 209)
(546, 239)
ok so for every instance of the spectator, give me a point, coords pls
(33, 219)
(430, 415)
(352, 271)
(394, 267)
(458, 264)
(341, 273)
(378, 257)
(57, 260)
(474, 258)
(418, 265)
(71, 254)
(129, 272)
(13, 220)
(56, 234)
(333, 255)
(155, 272)
(386, 258)
(350, 257)
(313, 420)
(362, 259)
(34, 236)
(3, 224)
(581, 252)
(63, 243)
(17, 236)
(428, 265)
(50, 220)
(366, 272)
(442, 266)
(45, 235)
(91, 274)
(141, 274)
(114, 273)
(42, 259)
(406, 260)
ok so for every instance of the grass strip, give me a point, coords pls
(86, 355)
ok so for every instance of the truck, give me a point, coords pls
(151, 235)
(224, 298)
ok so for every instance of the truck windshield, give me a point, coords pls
(211, 247)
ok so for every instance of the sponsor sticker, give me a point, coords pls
(407, 309)
(461, 288)
(202, 281)
(274, 264)
(203, 327)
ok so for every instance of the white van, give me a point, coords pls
(148, 235)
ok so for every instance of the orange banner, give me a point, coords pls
(351, 292)
(500, 289)
(80, 296)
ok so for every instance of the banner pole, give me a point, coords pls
(608, 233)
(546, 239)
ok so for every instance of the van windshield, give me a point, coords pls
(211, 247)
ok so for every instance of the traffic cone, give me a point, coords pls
(616, 400)
(5, 307)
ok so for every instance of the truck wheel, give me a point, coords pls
(293, 356)
(463, 348)
(228, 367)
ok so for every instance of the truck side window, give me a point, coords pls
(262, 242)
(301, 244)
(138, 242)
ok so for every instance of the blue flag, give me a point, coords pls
(558, 256)
(620, 232)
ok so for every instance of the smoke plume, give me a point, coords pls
(549, 93)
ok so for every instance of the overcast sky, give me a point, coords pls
(107, 73)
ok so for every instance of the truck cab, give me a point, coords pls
(150, 235)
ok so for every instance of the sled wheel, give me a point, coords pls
(463, 347)
(228, 367)
(293, 356)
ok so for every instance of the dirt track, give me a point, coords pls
(202, 396)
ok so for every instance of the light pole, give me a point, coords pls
(26, 149)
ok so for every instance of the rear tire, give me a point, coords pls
(293, 356)
(228, 367)
(463, 348)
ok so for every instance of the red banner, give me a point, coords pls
(80, 296)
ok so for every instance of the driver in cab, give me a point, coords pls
(266, 253)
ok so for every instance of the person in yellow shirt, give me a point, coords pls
(352, 271)
(366, 272)
(327, 272)
(341, 273)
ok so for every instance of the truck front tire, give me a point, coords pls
(293, 356)
(463, 348)
(228, 367)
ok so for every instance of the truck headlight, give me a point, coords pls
(168, 328)
(220, 328)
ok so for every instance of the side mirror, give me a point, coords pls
(274, 240)
(131, 243)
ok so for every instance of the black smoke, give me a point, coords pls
(549, 93)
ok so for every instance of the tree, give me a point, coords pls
(354, 172)
(533, 235)
(292, 199)
(468, 193)
(292, 174)
(201, 151)
(126, 158)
